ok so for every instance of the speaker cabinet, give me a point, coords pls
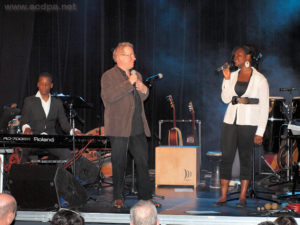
(45, 187)
(177, 165)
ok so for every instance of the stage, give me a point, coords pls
(180, 205)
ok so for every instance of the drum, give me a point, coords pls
(96, 155)
(106, 165)
(275, 108)
(271, 139)
(96, 131)
(296, 104)
(99, 154)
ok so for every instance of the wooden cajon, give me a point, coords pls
(177, 165)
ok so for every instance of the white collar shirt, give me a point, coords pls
(45, 104)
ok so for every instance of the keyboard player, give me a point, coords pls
(40, 114)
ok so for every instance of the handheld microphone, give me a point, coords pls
(225, 66)
(133, 72)
(287, 89)
(154, 77)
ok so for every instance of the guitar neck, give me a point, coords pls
(194, 122)
(174, 119)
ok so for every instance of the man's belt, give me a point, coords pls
(245, 100)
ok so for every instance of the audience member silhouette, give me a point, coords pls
(67, 217)
(267, 223)
(143, 213)
(285, 220)
(8, 208)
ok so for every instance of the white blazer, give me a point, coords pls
(248, 114)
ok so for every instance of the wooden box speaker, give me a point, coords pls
(177, 165)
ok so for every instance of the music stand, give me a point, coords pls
(76, 101)
(72, 102)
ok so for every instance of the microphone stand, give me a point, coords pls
(149, 83)
(72, 123)
(133, 192)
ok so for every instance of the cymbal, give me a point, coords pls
(75, 101)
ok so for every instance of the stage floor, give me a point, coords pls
(181, 204)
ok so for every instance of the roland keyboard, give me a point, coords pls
(53, 141)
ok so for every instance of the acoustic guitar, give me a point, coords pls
(191, 137)
(175, 136)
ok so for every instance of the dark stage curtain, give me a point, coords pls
(183, 39)
(16, 34)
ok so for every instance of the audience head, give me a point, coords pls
(285, 220)
(8, 208)
(143, 213)
(267, 223)
(67, 217)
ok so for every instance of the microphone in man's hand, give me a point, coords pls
(154, 77)
(133, 72)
